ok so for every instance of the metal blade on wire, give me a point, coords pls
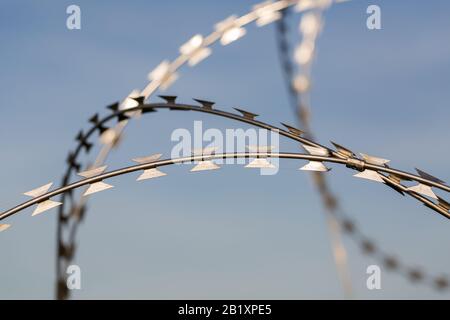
(46, 204)
(374, 160)
(150, 174)
(424, 190)
(194, 50)
(205, 165)
(96, 186)
(247, 114)
(370, 175)
(428, 176)
(260, 163)
(293, 130)
(315, 166)
(39, 191)
(343, 151)
(316, 151)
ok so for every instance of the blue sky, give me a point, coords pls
(229, 233)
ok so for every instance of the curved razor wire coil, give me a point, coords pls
(206, 107)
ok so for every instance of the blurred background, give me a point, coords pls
(230, 233)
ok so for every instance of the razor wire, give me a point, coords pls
(369, 167)
(165, 74)
(317, 155)
(79, 209)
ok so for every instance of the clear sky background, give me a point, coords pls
(230, 233)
